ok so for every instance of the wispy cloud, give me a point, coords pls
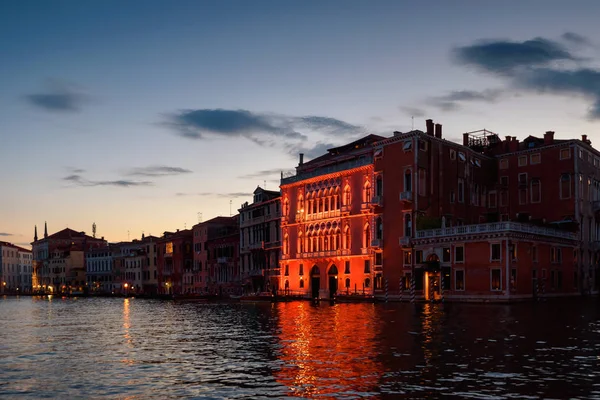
(264, 129)
(413, 111)
(218, 195)
(5, 234)
(157, 171)
(576, 38)
(267, 173)
(78, 180)
(452, 100)
(532, 65)
(58, 97)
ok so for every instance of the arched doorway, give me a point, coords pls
(315, 282)
(333, 281)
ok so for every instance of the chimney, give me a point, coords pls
(513, 145)
(429, 124)
(438, 131)
(465, 139)
(585, 139)
(301, 159)
(549, 137)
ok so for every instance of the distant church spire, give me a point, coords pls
(45, 229)
(35, 234)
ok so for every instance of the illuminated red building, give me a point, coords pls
(329, 224)
(174, 259)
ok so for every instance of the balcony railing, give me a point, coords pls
(495, 227)
(406, 196)
(272, 245)
(330, 169)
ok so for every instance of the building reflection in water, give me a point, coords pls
(327, 350)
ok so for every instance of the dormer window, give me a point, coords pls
(407, 146)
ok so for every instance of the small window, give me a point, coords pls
(522, 161)
(301, 283)
(452, 154)
(446, 254)
(493, 201)
(367, 266)
(535, 158)
(478, 163)
(513, 279)
(301, 270)
(504, 181)
(461, 156)
(522, 179)
(495, 252)
(504, 163)
(419, 257)
(407, 146)
(367, 283)
(378, 154)
(565, 154)
(581, 154)
(496, 279)
(459, 279)
(347, 283)
(459, 254)
(347, 267)
(407, 258)
(422, 145)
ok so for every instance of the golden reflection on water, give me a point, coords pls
(126, 328)
(327, 350)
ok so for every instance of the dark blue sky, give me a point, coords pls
(140, 114)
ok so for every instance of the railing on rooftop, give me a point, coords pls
(360, 162)
(495, 227)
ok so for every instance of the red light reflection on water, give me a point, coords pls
(327, 350)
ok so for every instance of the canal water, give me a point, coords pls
(134, 348)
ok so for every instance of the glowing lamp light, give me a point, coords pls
(126, 285)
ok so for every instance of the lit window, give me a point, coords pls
(496, 279)
(459, 280)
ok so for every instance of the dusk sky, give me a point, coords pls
(138, 115)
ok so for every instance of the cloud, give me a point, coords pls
(157, 170)
(452, 100)
(413, 112)
(264, 129)
(78, 180)
(59, 97)
(530, 66)
(503, 56)
(310, 152)
(219, 195)
(575, 38)
(5, 234)
(267, 173)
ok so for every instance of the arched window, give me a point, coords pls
(320, 201)
(407, 225)
(286, 244)
(300, 243)
(408, 180)
(379, 228)
(300, 204)
(338, 239)
(286, 207)
(326, 199)
(336, 199)
(347, 236)
(366, 236)
(367, 192)
(347, 196)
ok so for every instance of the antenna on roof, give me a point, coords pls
(230, 208)
(265, 184)
(94, 229)
(185, 225)
(128, 236)
(199, 217)
(412, 117)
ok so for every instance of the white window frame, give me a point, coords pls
(491, 279)
(464, 279)
(407, 146)
(522, 161)
(463, 255)
(492, 259)
(568, 151)
(531, 158)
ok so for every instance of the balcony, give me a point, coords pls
(346, 208)
(377, 243)
(406, 196)
(377, 200)
(366, 206)
(256, 246)
(330, 169)
(405, 241)
(495, 227)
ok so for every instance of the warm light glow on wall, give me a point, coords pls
(169, 249)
